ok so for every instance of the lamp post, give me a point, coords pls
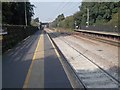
(75, 24)
(87, 17)
(25, 15)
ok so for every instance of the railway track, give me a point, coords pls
(102, 73)
(91, 79)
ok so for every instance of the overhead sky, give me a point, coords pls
(48, 11)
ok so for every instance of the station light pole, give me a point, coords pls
(25, 15)
(87, 17)
(75, 24)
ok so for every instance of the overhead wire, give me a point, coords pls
(63, 4)
(69, 10)
(72, 9)
(61, 7)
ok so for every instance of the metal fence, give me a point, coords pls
(11, 35)
(103, 28)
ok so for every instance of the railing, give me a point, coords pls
(102, 28)
(13, 34)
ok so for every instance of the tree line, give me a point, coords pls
(100, 13)
(13, 13)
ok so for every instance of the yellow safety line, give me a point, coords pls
(30, 69)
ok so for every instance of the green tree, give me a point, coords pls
(60, 17)
(68, 22)
(99, 13)
(14, 12)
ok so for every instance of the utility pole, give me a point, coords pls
(25, 15)
(87, 17)
(75, 24)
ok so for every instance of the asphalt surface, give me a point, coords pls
(46, 72)
(54, 73)
(15, 63)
